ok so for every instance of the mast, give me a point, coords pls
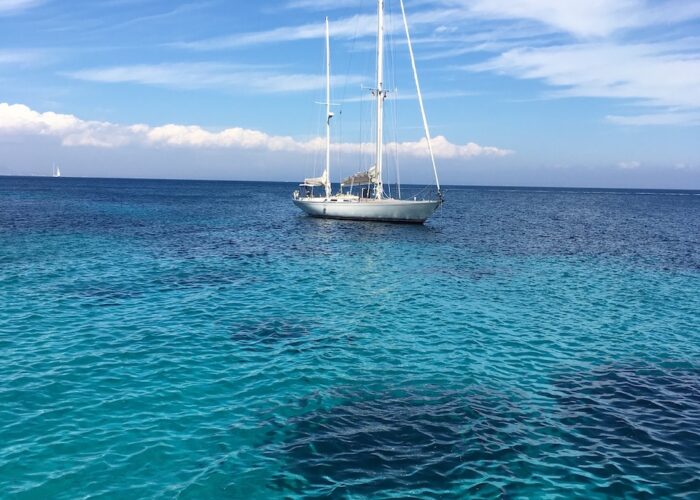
(329, 115)
(381, 94)
(420, 96)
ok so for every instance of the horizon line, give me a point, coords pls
(502, 186)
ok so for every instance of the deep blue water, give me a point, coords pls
(164, 339)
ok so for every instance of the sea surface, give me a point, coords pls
(177, 339)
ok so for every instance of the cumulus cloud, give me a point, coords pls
(445, 149)
(17, 119)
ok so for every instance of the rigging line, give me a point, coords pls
(394, 100)
(392, 72)
(368, 68)
(316, 117)
(348, 66)
(396, 143)
(388, 83)
(350, 60)
(320, 114)
(420, 96)
(362, 115)
(339, 148)
(311, 156)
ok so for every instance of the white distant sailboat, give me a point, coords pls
(56, 172)
(372, 203)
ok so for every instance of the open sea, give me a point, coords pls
(181, 339)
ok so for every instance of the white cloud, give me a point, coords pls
(684, 166)
(534, 40)
(206, 75)
(19, 56)
(326, 5)
(323, 4)
(585, 18)
(581, 17)
(645, 72)
(629, 165)
(653, 68)
(405, 96)
(653, 74)
(17, 119)
(13, 6)
(445, 149)
(661, 118)
(361, 25)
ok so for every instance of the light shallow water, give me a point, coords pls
(204, 339)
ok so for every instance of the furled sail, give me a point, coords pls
(316, 181)
(365, 177)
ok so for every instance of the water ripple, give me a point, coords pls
(167, 339)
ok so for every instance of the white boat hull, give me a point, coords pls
(387, 210)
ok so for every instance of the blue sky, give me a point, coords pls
(519, 92)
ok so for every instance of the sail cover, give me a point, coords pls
(316, 181)
(366, 177)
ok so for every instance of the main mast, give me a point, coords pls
(329, 115)
(381, 94)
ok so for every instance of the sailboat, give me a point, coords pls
(56, 172)
(371, 203)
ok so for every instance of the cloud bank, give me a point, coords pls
(18, 120)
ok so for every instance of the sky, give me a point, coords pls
(580, 93)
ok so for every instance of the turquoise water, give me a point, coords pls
(204, 339)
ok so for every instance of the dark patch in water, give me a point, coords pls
(401, 441)
(122, 289)
(637, 427)
(614, 432)
(190, 279)
(111, 294)
(269, 331)
(467, 273)
(100, 294)
(106, 297)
